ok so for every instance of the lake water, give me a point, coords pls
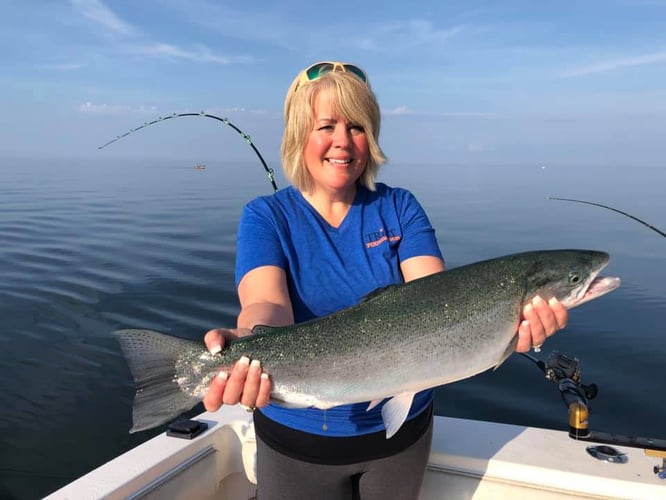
(93, 246)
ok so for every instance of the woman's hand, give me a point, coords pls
(540, 320)
(246, 384)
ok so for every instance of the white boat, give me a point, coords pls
(469, 459)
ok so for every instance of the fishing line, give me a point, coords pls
(225, 120)
(32, 473)
(614, 210)
(540, 364)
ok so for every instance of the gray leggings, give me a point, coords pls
(397, 477)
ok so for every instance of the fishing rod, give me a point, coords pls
(662, 233)
(225, 120)
(564, 370)
(560, 368)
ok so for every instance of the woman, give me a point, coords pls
(316, 247)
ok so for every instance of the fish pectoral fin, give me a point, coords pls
(510, 349)
(395, 411)
(373, 403)
(263, 329)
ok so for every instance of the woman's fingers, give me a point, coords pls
(236, 382)
(252, 384)
(213, 398)
(214, 340)
(561, 313)
(541, 319)
(245, 383)
(264, 396)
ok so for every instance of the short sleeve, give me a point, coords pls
(258, 242)
(418, 235)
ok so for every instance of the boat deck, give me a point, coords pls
(469, 460)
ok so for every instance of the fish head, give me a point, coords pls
(572, 276)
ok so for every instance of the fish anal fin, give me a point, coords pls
(376, 292)
(510, 349)
(291, 405)
(373, 403)
(395, 411)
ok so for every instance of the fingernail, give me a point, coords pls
(255, 364)
(264, 376)
(216, 349)
(244, 360)
(528, 307)
(553, 301)
(525, 323)
(222, 375)
(538, 300)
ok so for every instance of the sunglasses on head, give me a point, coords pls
(319, 69)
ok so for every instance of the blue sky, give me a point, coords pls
(507, 82)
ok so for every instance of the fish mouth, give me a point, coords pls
(600, 285)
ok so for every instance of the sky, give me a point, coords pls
(459, 82)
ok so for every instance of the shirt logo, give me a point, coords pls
(376, 238)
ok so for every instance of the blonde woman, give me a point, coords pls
(316, 247)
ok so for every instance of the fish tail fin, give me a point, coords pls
(152, 357)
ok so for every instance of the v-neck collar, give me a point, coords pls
(349, 216)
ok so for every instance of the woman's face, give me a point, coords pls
(336, 151)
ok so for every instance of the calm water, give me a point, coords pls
(89, 247)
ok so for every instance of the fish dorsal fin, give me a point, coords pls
(377, 292)
(395, 411)
(510, 349)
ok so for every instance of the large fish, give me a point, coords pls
(400, 340)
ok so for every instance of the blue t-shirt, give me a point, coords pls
(330, 268)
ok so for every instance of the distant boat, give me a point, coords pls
(199, 166)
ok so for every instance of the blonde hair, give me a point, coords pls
(350, 97)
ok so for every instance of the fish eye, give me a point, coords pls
(574, 278)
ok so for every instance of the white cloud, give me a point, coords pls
(201, 54)
(281, 26)
(404, 111)
(60, 67)
(400, 110)
(239, 110)
(96, 11)
(407, 34)
(476, 147)
(604, 66)
(115, 109)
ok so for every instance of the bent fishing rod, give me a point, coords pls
(225, 120)
(658, 231)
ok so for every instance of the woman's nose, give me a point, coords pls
(341, 136)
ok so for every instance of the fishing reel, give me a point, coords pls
(564, 370)
(560, 367)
